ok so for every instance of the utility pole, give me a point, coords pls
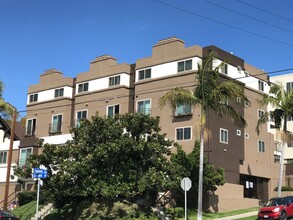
(9, 159)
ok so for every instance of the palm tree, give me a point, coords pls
(282, 102)
(211, 92)
(7, 109)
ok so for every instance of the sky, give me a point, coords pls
(37, 35)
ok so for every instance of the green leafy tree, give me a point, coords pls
(282, 103)
(211, 92)
(187, 165)
(122, 157)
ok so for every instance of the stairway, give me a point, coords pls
(44, 211)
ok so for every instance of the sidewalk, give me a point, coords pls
(243, 215)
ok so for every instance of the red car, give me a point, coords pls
(274, 209)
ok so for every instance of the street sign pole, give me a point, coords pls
(185, 185)
(38, 196)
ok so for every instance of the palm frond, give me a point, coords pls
(263, 119)
(6, 107)
(230, 112)
(178, 96)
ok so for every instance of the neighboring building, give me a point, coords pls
(5, 134)
(57, 103)
(286, 80)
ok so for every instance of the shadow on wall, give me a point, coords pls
(212, 204)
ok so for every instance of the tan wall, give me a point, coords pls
(12, 188)
(43, 112)
(154, 90)
(230, 197)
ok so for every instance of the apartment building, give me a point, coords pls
(57, 103)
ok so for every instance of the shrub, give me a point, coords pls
(26, 197)
(285, 188)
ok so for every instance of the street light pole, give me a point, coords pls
(9, 160)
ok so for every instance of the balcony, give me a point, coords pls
(55, 128)
(30, 132)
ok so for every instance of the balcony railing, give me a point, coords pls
(30, 131)
(55, 128)
(277, 147)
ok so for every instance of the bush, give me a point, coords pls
(26, 197)
(285, 188)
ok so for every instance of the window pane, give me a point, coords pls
(148, 73)
(187, 133)
(116, 109)
(141, 75)
(180, 66)
(110, 111)
(179, 134)
(86, 87)
(188, 65)
(147, 107)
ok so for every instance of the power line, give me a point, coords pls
(253, 18)
(266, 11)
(228, 25)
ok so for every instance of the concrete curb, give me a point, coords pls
(243, 215)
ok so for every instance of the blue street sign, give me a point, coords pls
(40, 173)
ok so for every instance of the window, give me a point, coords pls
(261, 113)
(113, 110)
(246, 135)
(261, 146)
(183, 133)
(238, 132)
(115, 80)
(289, 86)
(277, 159)
(25, 153)
(261, 85)
(238, 99)
(31, 127)
(289, 118)
(184, 65)
(183, 110)
(34, 97)
(223, 136)
(79, 116)
(83, 87)
(247, 103)
(59, 92)
(3, 157)
(144, 106)
(144, 74)
(224, 68)
(56, 123)
(224, 102)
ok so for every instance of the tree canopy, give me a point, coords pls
(125, 157)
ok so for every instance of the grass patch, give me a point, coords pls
(207, 216)
(26, 211)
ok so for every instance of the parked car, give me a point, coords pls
(289, 206)
(7, 216)
(273, 209)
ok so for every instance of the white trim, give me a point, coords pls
(238, 132)
(142, 100)
(183, 133)
(107, 108)
(225, 130)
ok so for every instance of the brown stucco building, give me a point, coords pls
(57, 103)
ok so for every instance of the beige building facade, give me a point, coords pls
(57, 103)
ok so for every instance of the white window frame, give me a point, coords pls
(146, 73)
(224, 69)
(78, 119)
(4, 155)
(261, 85)
(246, 135)
(238, 99)
(184, 65)
(114, 106)
(114, 80)
(22, 162)
(81, 87)
(238, 132)
(58, 92)
(261, 146)
(33, 97)
(144, 111)
(31, 131)
(183, 138)
(52, 124)
(260, 113)
(223, 141)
